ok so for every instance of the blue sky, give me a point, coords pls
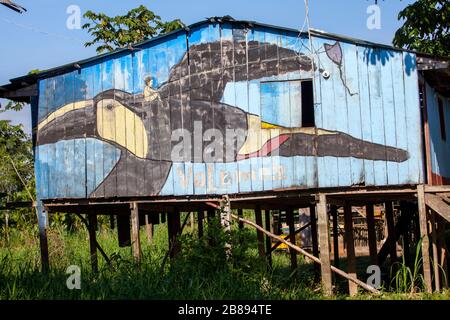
(39, 39)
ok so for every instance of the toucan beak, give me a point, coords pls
(72, 121)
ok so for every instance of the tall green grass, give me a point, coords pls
(201, 271)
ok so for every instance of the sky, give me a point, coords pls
(40, 38)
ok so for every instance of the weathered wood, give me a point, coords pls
(92, 218)
(259, 234)
(308, 255)
(291, 224)
(123, 230)
(443, 252)
(438, 205)
(135, 239)
(425, 240)
(240, 215)
(268, 238)
(111, 222)
(149, 228)
(334, 214)
(43, 244)
(277, 244)
(324, 243)
(350, 244)
(434, 245)
(200, 217)
(314, 239)
(174, 228)
(392, 237)
(372, 235)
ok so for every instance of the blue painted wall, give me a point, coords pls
(370, 96)
(439, 148)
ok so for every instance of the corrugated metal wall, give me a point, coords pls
(93, 141)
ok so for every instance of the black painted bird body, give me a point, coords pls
(13, 6)
(190, 102)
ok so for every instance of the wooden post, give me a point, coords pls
(259, 234)
(324, 243)
(135, 240)
(192, 222)
(389, 215)
(291, 224)
(43, 242)
(210, 214)
(404, 209)
(268, 239)
(437, 285)
(200, 216)
(240, 215)
(174, 226)
(425, 240)
(149, 228)
(443, 251)
(111, 222)
(371, 234)
(92, 218)
(350, 243)
(334, 214)
(314, 239)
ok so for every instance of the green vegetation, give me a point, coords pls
(201, 271)
(425, 28)
(138, 24)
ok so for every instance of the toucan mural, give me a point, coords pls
(146, 111)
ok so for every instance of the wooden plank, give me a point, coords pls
(351, 259)
(392, 238)
(365, 104)
(324, 243)
(135, 239)
(174, 225)
(434, 244)
(259, 234)
(423, 224)
(335, 215)
(438, 205)
(92, 218)
(43, 242)
(372, 236)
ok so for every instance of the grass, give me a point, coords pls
(200, 272)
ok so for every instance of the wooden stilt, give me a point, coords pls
(259, 234)
(405, 211)
(149, 228)
(200, 216)
(425, 240)
(434, 245)
(314, 239)
(389, 215)
(211, 214)
(334, 214)
(92, 218)
(268, 239)
(111, 222)
(174, 226)
(240, 215)
(43, 242)
(443, 252)
(372, 235)
(291, 224)
(324, 243)
(135, 239)
(349, 240)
